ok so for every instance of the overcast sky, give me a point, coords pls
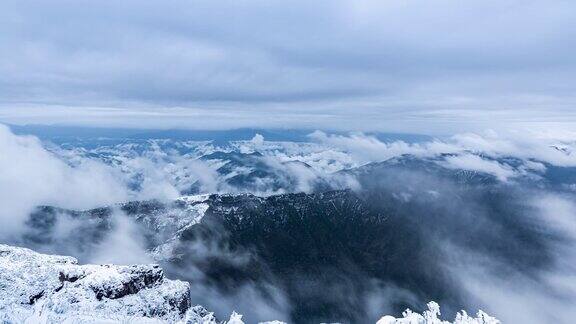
(425, 66)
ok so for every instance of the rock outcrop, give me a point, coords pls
(45, 288)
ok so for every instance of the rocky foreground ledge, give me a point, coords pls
(40, 288)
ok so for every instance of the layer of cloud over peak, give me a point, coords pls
(530, 147)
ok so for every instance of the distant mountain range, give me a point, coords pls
(60, 134)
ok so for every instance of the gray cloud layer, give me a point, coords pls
(430, 65)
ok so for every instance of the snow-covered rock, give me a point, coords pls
(38, 288)
(431, 317)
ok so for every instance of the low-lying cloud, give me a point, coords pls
(32, 176)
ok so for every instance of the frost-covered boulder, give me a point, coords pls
(431, 317)
(40, 288)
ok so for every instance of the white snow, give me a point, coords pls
(195, 210)
(38, 288)
(431, 317)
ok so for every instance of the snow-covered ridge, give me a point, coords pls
(40, 288)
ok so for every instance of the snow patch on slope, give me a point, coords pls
(195, 207)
